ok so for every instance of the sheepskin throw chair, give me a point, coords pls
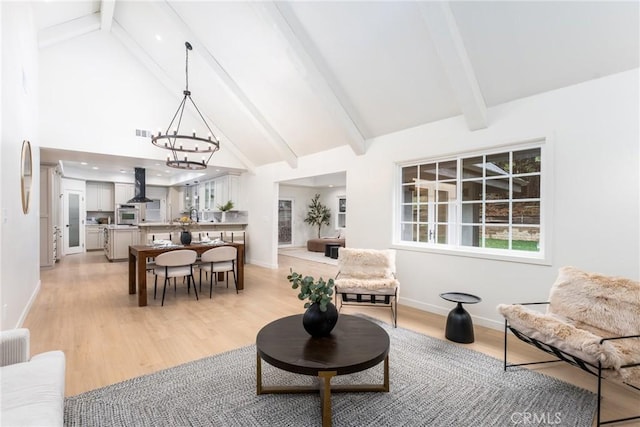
(592, 321)
(367, 277)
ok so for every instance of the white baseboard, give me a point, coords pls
(444, 311)
(27, 308)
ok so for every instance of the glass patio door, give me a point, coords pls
(73, 222)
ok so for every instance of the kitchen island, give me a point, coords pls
(117, 239)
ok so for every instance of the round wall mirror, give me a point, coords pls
(26, 175)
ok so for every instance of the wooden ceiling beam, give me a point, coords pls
(66, 31)
(145, 59)
(455, 60)
(107, 8)
(289, 27)
(273, 137)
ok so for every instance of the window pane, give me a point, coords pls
(496, 237)
(472, 190)
(497, 189)
(526, 161)
(471, 213)
(496, 213)
(424, 213)
(409, 174)
(497, 164)
(526, 239)
(443, 212)
(472, 167)
(428, 172)
(525, 213)
(499, 196)
(447, 191)
(409, 194)
(470, 235)
(407, 232)
(423, 194)
(526, 187)
(443, 236)
(407, 213)
(423, 233)
(447, 170)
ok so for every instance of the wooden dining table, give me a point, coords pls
(138, 264)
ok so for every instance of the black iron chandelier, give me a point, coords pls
(184, 147)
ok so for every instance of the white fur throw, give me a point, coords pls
(584, 308)
(366, 268)
(609, 306)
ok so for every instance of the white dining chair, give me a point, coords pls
(221, 259)
(178, 263)
(151, 238)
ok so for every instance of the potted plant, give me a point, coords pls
(318, 214)
(185, 224)
(321, 315)
(224, 209)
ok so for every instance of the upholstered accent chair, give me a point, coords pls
(367, 277)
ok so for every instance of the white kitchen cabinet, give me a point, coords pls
(123, 192)
(99, 196)
(94, 239)
(225, 189)
(49, 208)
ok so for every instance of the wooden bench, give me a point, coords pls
(318, 245)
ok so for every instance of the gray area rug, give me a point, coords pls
(433, 383)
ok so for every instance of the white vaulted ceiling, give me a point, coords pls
(281, 80)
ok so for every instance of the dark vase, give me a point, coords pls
(320, 323)
(185, 237)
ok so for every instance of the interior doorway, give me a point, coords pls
(73, 223)
(285, 222)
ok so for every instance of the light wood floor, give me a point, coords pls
(85, 310)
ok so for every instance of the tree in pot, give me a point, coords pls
(318, 214)
(321, 315)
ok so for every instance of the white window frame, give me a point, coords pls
(542, 257)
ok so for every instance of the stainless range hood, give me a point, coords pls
(140, 187)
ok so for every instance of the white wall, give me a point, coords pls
(19, 233)
(595, 138)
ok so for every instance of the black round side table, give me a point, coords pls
(459, 325)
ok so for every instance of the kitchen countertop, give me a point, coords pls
(122, 227)
(201, 224)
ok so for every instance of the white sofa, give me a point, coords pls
(32, 389)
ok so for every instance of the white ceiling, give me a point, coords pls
(308, 76)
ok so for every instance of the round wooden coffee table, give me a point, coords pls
(355, 344)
